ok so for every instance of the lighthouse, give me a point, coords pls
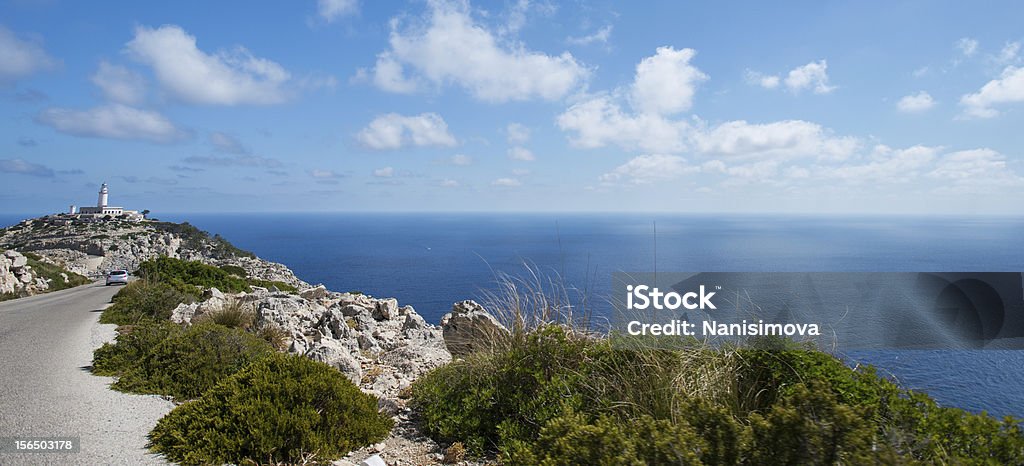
(102, 202)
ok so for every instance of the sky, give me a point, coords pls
(836, 108)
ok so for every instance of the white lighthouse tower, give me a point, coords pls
(102, 202)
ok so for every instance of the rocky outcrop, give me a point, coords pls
(92, 248)
(17, 277)
(469, 328)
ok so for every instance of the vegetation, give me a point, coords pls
(52, 274)
(553, 395)
(191, 276)
(235, 270)
(194, 238)
(187, 363)
(145, 300)
(280, 410)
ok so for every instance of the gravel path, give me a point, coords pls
(46, 390)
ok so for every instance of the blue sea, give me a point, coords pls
(432, 260)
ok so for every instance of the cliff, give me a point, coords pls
(92, 248)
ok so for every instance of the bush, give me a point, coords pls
(232, 314)
(143, 300)
(191, 276)
(187, 363)
(281, 409)
(493, 402)
(234, 270)
(560, 397)
(134, 342)
(572, 439)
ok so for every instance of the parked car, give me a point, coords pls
(117, 276)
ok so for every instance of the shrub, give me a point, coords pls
(232, 314)
(272, 284)
(187, 363)
(143, 300)
(572, 439)
(133, 343)
(281, 409)
(276, 336)
(494, 401)
(191, 276)
(234, 270)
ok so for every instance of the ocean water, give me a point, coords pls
(432, 260)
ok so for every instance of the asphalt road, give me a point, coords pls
(46, 390)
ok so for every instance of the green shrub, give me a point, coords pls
(276, 336)
(234, 270)
(191, 276)
(572, 439)
(785, 405)
(133, 343)
(143, 300)
(281, 409)
(491, 402)
(272, 284)
(187, 363)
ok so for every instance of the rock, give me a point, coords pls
(469, 328)
(313, 294)
(339, 358)
(184, 313)
(385, 309)
(213, 293)
(17, 260)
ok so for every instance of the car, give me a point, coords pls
(117, 277)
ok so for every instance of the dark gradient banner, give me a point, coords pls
(860, 310)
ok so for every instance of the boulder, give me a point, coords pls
(469, 328)
(338, 357)
(385, 309)
(312, 294)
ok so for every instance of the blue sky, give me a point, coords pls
(442, 105)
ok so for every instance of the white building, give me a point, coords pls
(102, 209)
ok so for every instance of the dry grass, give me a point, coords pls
(233, 314)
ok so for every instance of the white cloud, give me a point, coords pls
(598, 121)
(119, 84)
(227, 143)
(600, 36)
(1009, 54)
(649, 168)
(1008, 88)
(114, 121)
(20, 58)
(449, 183)
(506, 182)
(885, 164)
(393, 131)
(449, 47)
(227, 78)
(331, 10)
(665, 83)
(766, 81)
(386, 172)
(521, 153)
(517, 133)
(813, 75)
(980, 167)
(461, 160)
(916, 103)
(780, 139)
(967, 46)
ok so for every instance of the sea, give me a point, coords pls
(431, 260)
